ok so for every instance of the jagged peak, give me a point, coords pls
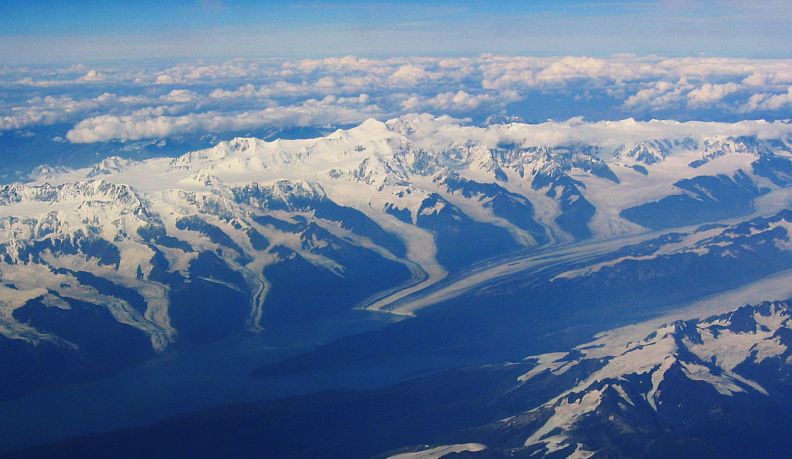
(47, 172)
(86, 189)
(110, 165)
(284, 193)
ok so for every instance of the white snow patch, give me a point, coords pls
(440, 451)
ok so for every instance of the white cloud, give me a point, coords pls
(660, 95)
(780, 76)
(246, 91)
(41, 111)
(433, 133)
(165, 79)
(325, 83)
(410, 75)
(570, 68)
(528, 72)
(459, 101)
(92, 76)
(179, 96)
(156, 125)
(709, 93)
(623, 84)
(22, 120)
(769, 102)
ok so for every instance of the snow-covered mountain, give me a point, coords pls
(669, 390)
(135, 256)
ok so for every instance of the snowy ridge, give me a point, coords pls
(724, 241)
(650, 151)
(719, 351)
(377, 164)
(441, 451)
(109, 166)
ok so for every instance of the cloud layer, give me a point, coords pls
(132, 103)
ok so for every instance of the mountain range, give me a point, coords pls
(473, 242)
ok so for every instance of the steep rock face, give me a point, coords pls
(720, 146)
(678, 266)
(703, 198)
(109, 166)
(512, 207)
(650, 151)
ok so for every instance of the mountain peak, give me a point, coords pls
(372, 125)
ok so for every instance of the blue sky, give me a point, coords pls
(36, 31)
(145, 77)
